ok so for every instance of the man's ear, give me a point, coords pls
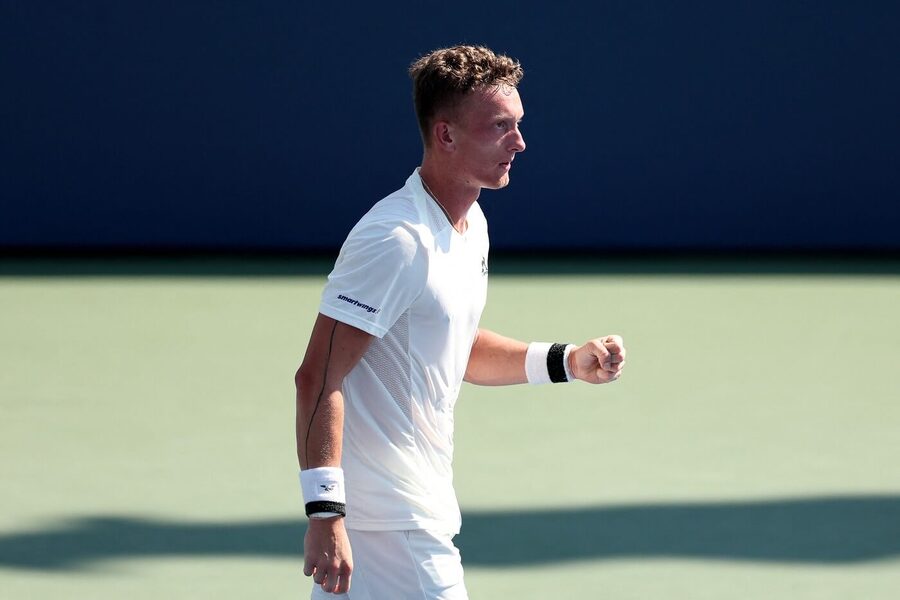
(442, 134)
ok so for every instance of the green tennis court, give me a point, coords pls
(750, 451)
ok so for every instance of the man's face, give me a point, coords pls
(487, 136)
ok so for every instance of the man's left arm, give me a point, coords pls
(499, 360)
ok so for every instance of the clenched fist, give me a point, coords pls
(598, 361)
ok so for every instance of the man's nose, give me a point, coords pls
(518, 141)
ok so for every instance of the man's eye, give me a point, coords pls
(501, 124)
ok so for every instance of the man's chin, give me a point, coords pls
(500, 183)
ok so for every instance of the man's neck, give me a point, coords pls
(454, 196)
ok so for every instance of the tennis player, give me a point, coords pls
(397, 334)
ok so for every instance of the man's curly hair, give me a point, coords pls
(442, 78)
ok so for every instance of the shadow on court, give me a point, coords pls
(830, 530)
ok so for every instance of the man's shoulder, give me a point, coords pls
(399, 210)
(399, 207)
(393, 224)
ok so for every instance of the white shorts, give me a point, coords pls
(402, 565)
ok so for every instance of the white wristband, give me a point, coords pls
(323, 491)
(569, 374)
(536, 363)
(548, 363)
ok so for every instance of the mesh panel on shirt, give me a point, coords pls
(388, 358)
(437, 213)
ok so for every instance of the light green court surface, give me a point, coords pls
(750, 451)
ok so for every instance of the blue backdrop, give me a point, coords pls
(274, 125)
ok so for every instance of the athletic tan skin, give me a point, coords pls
(473, 148)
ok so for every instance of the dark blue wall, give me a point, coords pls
(274, 125)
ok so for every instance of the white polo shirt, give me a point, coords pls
(407, 277)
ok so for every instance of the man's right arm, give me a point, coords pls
(334, 349)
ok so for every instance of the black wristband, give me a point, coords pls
(323, 506)
(556, 367)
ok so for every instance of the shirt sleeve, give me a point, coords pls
(379, 272)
